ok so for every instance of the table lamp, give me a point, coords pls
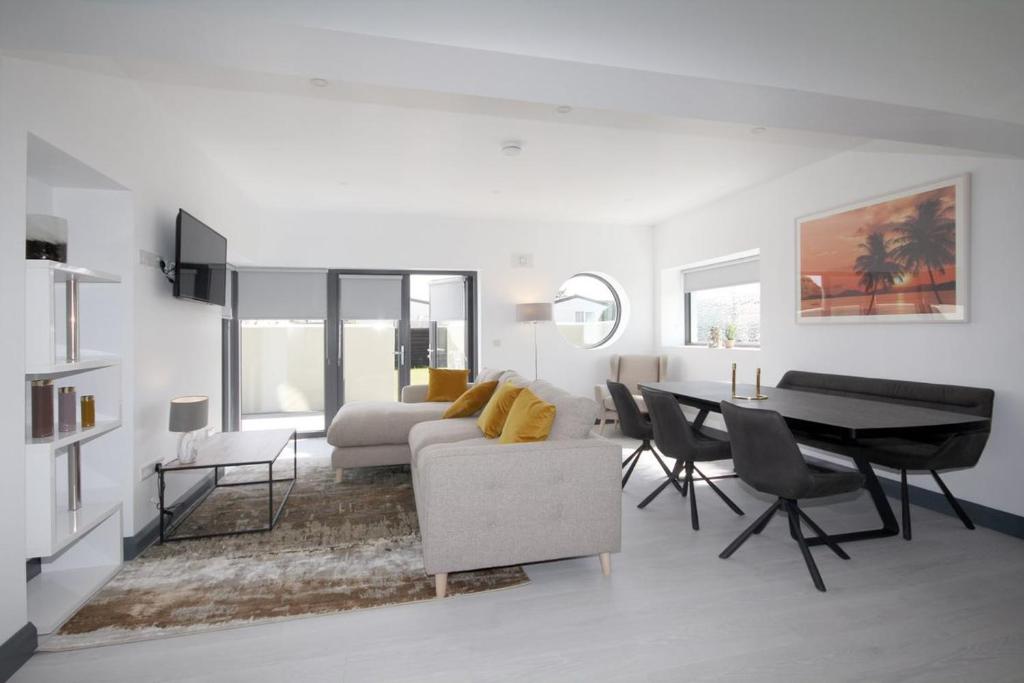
(534, 313)
(188, 415)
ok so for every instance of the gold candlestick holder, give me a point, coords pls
(758, 396)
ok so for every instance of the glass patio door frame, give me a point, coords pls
(334, 380)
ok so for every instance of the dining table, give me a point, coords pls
(845, 419)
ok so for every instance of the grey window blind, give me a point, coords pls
(370, 297)
(448, 299)
(279, 294)
(722, 275)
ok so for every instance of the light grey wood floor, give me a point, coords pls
(948, 606)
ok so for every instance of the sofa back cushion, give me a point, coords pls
(574, 415)
(530, 419)
(492, 419)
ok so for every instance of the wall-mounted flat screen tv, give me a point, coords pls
(200, 261)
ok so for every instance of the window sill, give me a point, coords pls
(720, 348)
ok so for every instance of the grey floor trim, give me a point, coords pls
(149, 534)
(17, 649)
(982, 515)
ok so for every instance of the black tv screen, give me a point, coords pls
(200, 257)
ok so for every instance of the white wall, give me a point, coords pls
(337, 240)
(13, 613)
(984, 352)
(172, 346)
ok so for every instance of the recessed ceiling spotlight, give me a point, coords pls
(343, 183)
(758, 130)
(512, 148)
(564, 109)
(319, 82)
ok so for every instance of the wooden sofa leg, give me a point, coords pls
(338, 474)
(606, 564)
(440, 584)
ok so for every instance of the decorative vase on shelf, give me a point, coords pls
(714, 337)
(729, 343)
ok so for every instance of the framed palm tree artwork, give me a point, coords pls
(898, 258)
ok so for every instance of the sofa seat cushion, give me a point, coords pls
(450, 430)
(371, 423)
(575, 415)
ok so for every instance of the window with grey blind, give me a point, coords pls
(282, 294)
(370, 297)
(726, 296)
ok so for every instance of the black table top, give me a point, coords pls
(852, 418)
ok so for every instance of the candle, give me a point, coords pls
(733, 379)
(757, 390)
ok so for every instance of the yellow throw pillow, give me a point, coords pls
(473, 400)
(446, 385)
(492, 419)
(529, 420)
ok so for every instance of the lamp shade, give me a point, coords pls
(189, 413)
(534, 313)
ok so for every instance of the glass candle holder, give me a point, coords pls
(88, 411)
(67, 409)
(42, 408)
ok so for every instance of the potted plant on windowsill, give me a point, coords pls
(730, 335)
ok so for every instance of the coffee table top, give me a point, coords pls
(231, 449)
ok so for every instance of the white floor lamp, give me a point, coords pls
(534, 313)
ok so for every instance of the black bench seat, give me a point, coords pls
(922, 452)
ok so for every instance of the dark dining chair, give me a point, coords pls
(633, 424)
(767, 458)
(677, 438)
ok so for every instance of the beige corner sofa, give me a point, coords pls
(481, 503)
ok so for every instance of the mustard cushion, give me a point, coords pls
(530, 419)
(472, 400)
(492, 419)
(446, 385)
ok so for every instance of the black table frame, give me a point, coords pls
(272, 515)
(890, 526)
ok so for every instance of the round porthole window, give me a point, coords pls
(587, 310)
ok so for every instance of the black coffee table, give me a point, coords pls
(232, 449)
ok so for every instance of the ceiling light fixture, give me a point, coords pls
(512, 148)
(319, 82)
(564, 109)
(758, 130)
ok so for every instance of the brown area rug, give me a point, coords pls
(336, 547)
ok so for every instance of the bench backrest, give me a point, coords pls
(957, 399)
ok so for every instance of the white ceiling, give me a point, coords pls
(949, 55)
(665, 93)
(315, 149)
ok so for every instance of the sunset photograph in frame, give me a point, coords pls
(897, 258)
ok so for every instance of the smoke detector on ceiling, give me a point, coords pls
(319, 82)
(512, 148)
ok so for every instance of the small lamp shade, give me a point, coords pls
(189, 413)
(534, 313)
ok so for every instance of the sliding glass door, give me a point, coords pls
(386, 328)
(280, 343)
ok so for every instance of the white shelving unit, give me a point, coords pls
(79, 549)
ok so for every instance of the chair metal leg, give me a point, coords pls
(636, 459)
(671, 477)
(721, 494)
(794, 528)
(953, 501)
(905, 504)
(694, 520)
(754, 528)
(630, 457)
(822, 535)
(760, 525)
